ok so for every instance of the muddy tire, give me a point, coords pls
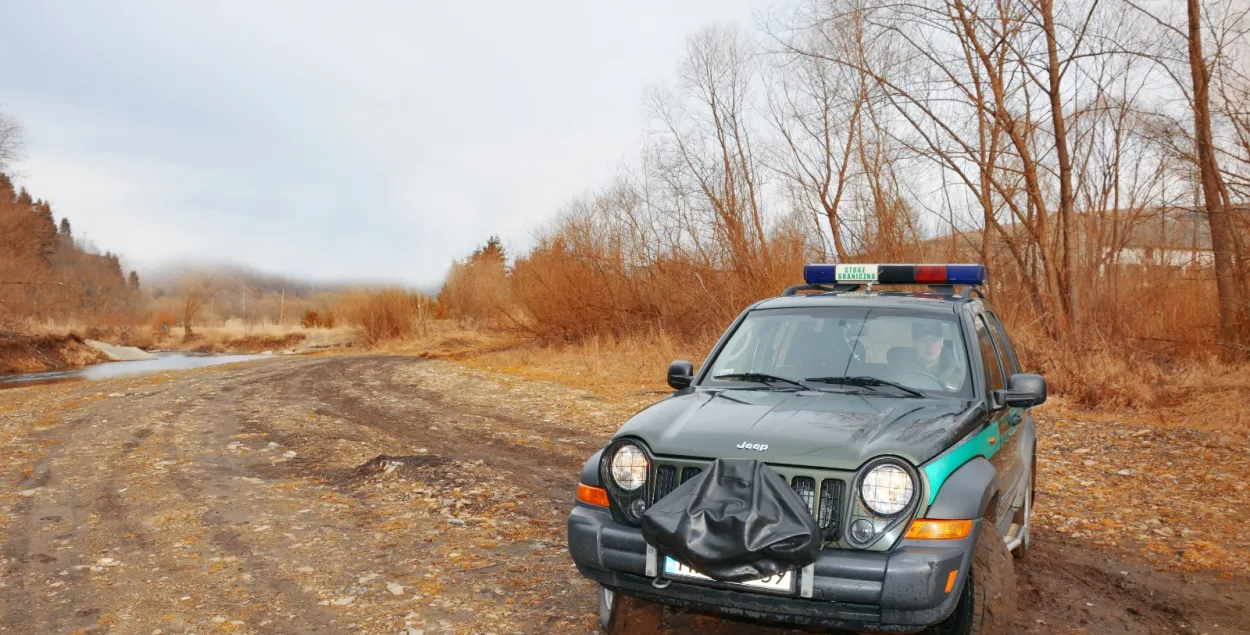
(987, 604)
(621, 614)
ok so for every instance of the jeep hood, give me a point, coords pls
(822, 429)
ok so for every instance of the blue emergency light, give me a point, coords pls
(895, 274)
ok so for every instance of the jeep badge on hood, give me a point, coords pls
(758, 447)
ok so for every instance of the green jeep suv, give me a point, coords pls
(848, 458)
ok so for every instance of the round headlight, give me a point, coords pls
(629, 467)
(887, 489)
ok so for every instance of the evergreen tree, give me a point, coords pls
(23, 198)
(133, 280)
(65, 230)
(491, 253)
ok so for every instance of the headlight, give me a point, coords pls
(887, 489)
(629, 467)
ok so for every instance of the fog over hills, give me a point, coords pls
(166, 277)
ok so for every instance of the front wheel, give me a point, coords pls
(987, 604)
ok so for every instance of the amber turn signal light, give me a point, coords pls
(950, 580)
(927, 529)
(592, 495)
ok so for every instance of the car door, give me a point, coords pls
(1007, 458)
(1020, 418)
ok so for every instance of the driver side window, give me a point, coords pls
(989, 356)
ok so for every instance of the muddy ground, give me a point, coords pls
(397, 495)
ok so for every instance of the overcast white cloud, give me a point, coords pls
(393, 136)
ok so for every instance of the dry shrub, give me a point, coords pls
(591, 275)
(379, 316)
(313, 319)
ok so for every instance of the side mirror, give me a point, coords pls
(680, 374)
(1024, 390)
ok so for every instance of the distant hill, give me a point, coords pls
(47, 274)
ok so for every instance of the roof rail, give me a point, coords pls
(823, 288)
(949, 289)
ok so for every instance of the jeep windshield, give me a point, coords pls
(886, 352)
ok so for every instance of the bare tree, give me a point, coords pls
(1214, 194)
(708, 154)
(10, 141)
(194, 293)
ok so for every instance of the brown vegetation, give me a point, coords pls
(1036, 138)
(45, 274)
(390, 314)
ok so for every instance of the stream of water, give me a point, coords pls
(109, 370)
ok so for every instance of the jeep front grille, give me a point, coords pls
(826, 508)
(830, 519)
(665, 481)
(805, 487)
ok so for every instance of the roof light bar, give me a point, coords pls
(894, 274)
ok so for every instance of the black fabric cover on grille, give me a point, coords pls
(735, 522)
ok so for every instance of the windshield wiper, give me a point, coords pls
(866, 382)
(760, 377)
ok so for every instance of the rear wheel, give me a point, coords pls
(621, 614)
(987, 604)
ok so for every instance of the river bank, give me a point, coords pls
(46, 352)
(21, 353)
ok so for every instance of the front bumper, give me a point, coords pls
(903, 590)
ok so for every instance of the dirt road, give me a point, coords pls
(380, 495)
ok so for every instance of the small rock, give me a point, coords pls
(289, 454)
(305, 569)
(456, 521)
(416, 631)
(272, 445)
(1154, 522)
(395, 588)
(344, 601)
(1082, 451)
(1125, 472)
(1089, 462)
(29, 492)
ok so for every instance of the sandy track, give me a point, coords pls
(251, 499)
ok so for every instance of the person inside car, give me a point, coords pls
(927, 356)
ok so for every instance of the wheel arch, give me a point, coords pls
(967, 493)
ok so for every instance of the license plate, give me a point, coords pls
(781, 582)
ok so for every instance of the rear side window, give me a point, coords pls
(1004, 344)
(993, 371)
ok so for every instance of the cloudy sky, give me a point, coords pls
(330, 140)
